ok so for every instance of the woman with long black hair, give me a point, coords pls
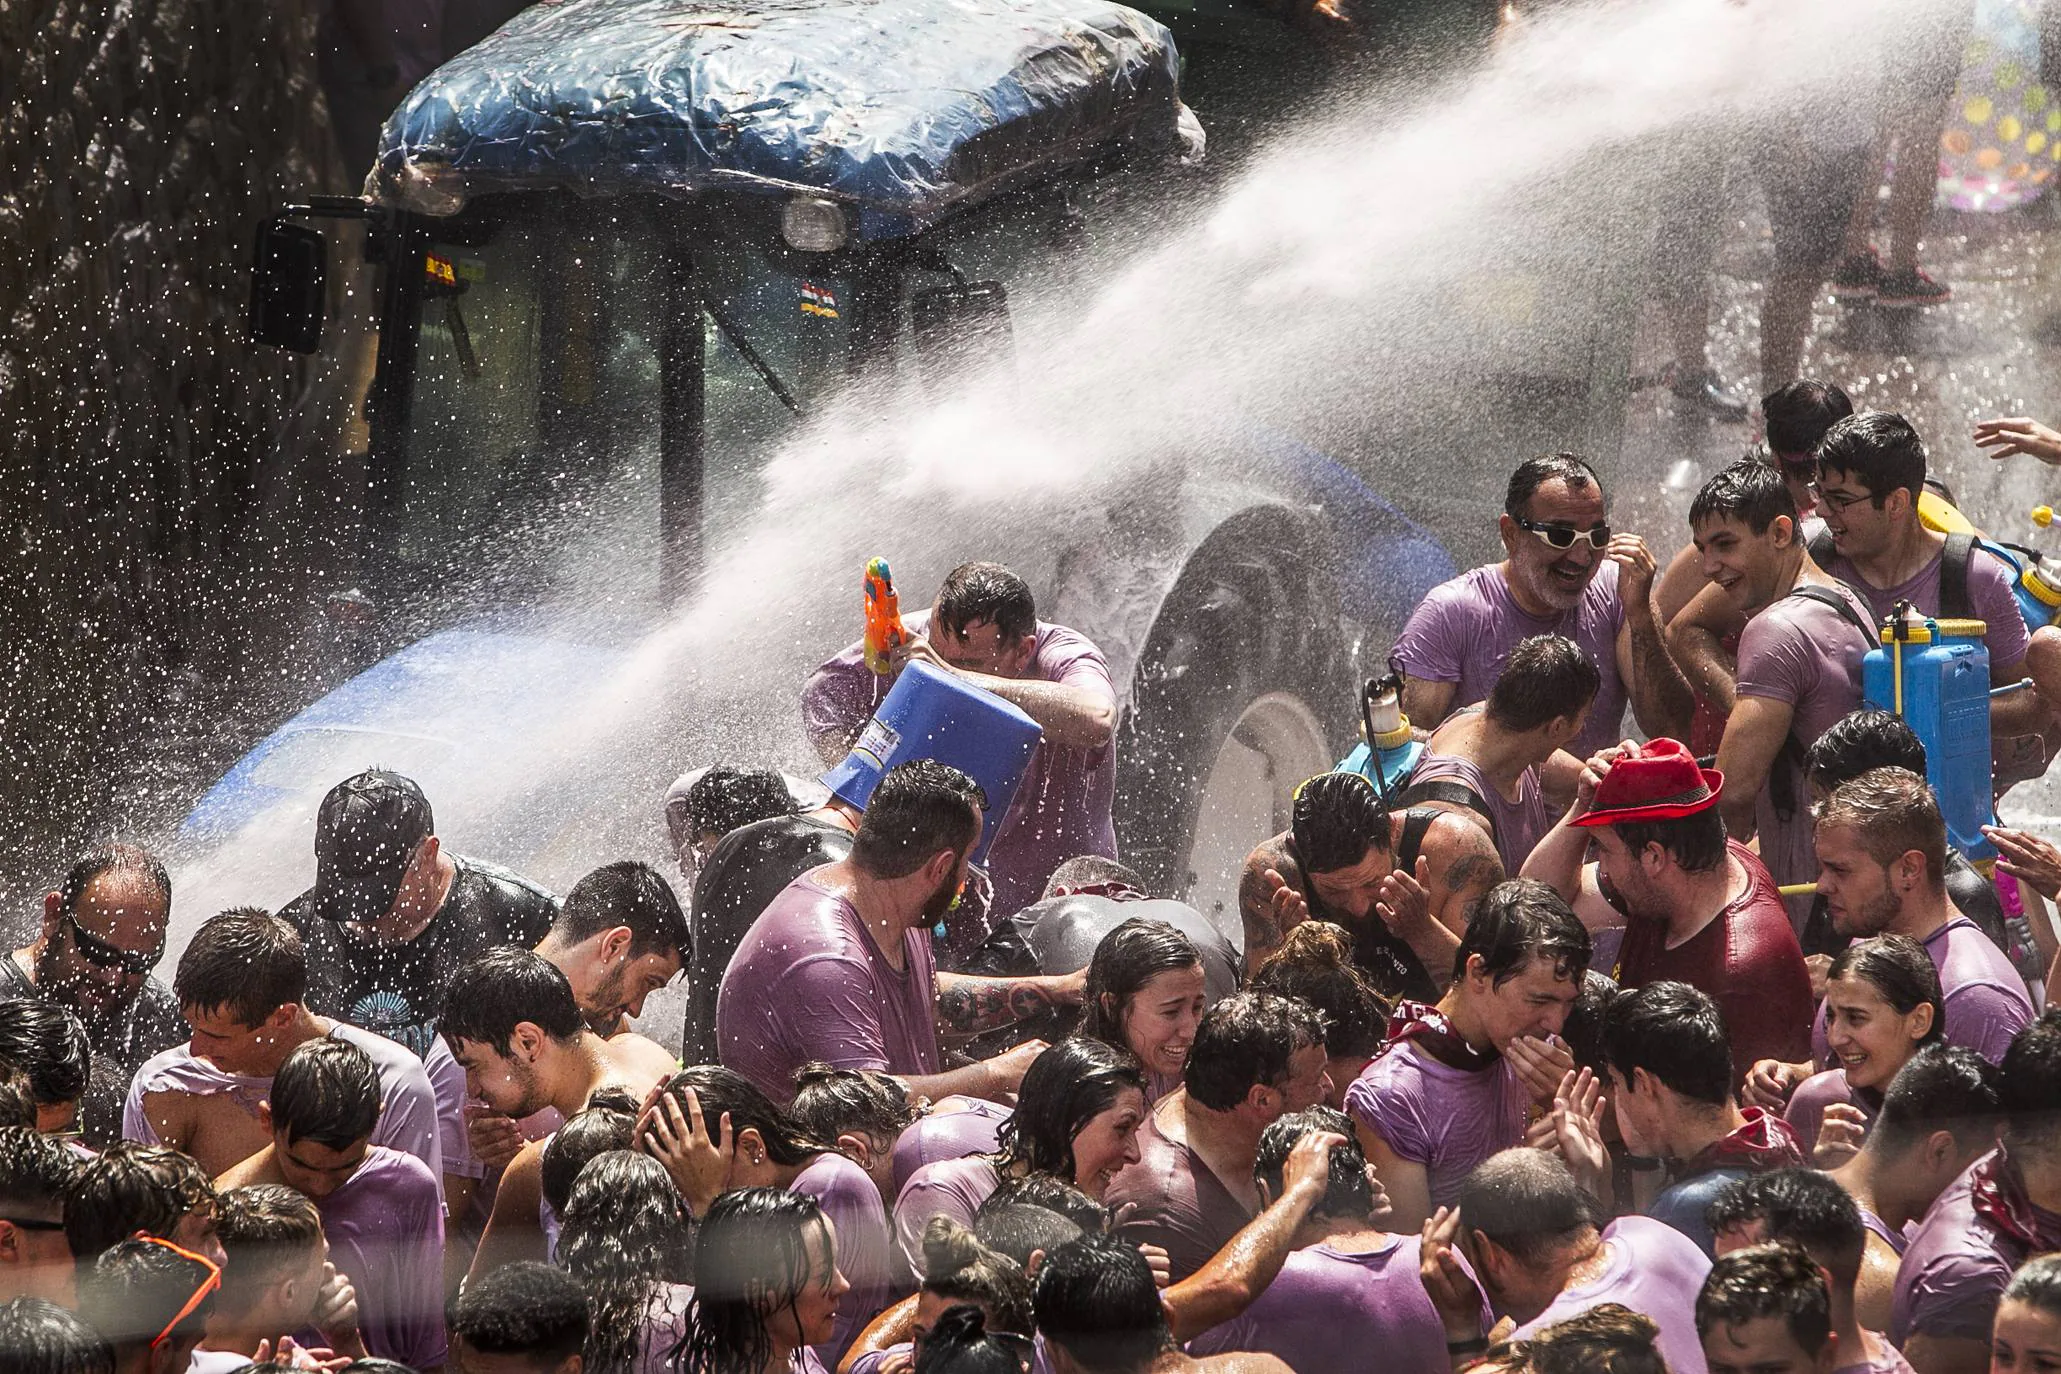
(767, 1288)
(624, 1235)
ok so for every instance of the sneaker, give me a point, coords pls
(1858, 277)
(1910, 289)
(1701, 389)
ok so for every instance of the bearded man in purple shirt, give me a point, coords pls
(984, 627)
(1563, 573)
(2003, 1211)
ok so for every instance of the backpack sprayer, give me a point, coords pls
(1387, 753)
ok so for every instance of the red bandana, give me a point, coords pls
(1999, 1198)
(1425, 1023)
(1764, 1142)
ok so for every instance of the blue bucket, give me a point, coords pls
(930, 714)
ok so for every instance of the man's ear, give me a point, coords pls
(615, 942)
(1782, 530)
(526, 1040)
(282, 1016)
(12, 1250)
(1939, 1150)
(1033, 1264)
(53, 914)
(1908, 869)
(1266, 1194)
(940, 866)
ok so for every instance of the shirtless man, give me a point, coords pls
(241, 986)
(1400, 882)
(511, 1020)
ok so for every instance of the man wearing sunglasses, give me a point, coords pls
(150, 1300)
(103, 932)
(1564, 572)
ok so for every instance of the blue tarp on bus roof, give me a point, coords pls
(901, 108)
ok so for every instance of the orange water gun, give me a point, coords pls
(884, 632)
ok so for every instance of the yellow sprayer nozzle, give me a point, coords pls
(2043, 516)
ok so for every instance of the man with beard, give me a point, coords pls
(619, 937)
(1563, 573)
(103, 932)
(840, 968)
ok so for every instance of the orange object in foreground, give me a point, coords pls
(884, 632)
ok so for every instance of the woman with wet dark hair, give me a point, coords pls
(1146, 993)
(767, 1286)
(715, 1131)
(624, 1238)
(1077, 1118)
(608, 1123)
(863, 1112)
(1315, 963)
(1882, 1005)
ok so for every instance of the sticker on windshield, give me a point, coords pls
(819, 301)
(878, 742)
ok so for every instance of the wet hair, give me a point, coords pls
(1337, 819)
(1776, 1280)
(752, 1257)
(1801, 1206)
(1085, 869)
(1750, 492)
(1518, 921)
(1546, 678)
(1583, 1029)
(327, 1092)
(1064, 1089)
(959, 1267)
(39, 1337)
(622, 1234)
(117, 858)
(974, 592)
(919, 808)
(830, 1102)
(1125, 960)
(608, 1122)
(1695, 842)
(529, 1309)
(1049, 1193)
(1244, 1042)
(1942, 1087)
(1879, 450)
(1674, 1032)
(1860, 742)
(36, 1173)
(1533, 473)
(960, 1344)
(1527, 1202)
(1315, 964)
(1898, 968)
(48, 1044)
(495, 992)
(245, 962)
(724, 799)
(2037, 1284)
(2029, 1085)
(136, 1288)
(265, 1230)
(128, 1188)
(17, 1108)
(1347, 1195)
(1608, 1338)
(1797, 415)
(626, 893)
(1019, 1230)
(1892, 812)
(1096, 1301)
(723, 1090)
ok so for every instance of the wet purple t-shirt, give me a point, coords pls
(1984, 998)
(1429, 1113)
(865, 1255)
(952, 1188)
(1806, 1109)
(1806, 655)
(1953, 1272)
(1063, 806)
(1990, 600)
(1518, 824)
(1463, 631)
(386, 1234)
(1331, 1309)
(1652, 1269)
(960, 1126)
(1171, 1199)
(807, 982)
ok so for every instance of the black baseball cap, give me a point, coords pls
(368, 829)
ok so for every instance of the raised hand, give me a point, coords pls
(699, 1163)
(1769, 1083)
(1540, 1065)
(1577, 1122)
(1841, 1133)
(2010, 435)
(495, 1140)
(1451, 1290)
(1403, 901)
(2029, 858)
(1291, 908)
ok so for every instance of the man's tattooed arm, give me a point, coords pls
(968, 1004)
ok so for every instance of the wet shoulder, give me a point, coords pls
(1058, 647)
(1650, 1248)
(493, 896)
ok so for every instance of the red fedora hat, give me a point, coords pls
(1659, 782)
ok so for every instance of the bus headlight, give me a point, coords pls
(812, 224)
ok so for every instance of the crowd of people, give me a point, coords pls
(1697, 1050)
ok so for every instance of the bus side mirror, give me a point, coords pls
(288, 290)
(960, 326)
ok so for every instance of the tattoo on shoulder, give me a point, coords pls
(1471, 870)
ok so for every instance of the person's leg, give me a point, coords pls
(1860, 267)
(1785, 323)
(1921, 78)
(1691, 223)
(1810, 192)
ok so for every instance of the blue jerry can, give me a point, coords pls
(930, 714)
(1935, 674)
